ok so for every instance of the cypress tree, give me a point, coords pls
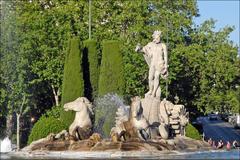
(90, 67)
(73, 85)
(111, 78)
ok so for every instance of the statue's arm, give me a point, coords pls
(145, 51)
(139, 48)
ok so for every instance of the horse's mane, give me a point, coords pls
(88, 104)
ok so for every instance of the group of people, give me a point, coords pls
(220, 144)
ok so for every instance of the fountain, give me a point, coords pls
(149, 125)
(5, 145)
(106, 105)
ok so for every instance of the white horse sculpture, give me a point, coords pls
(138, 120)
(82, 123)
(130, 122)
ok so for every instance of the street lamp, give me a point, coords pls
(32, 119)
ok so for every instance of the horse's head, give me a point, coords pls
(136, 108)
(78, 105)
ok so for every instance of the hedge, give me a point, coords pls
(48, 123)
(90, 67)
(192, 132)
(111, 79)
(73, 85)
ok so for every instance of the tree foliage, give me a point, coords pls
(15, 75)
(217, 64)
(73, 84)
(90, 63)
(111, 78)
(192, 132)
(48, 123)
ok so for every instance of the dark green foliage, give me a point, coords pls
(44, 127)
(91, 68)
(73, 86)
(48, 123)
(111, 71)
(192, 132)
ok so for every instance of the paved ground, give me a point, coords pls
(218, 129)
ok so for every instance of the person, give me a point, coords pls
(214, 145)
(210, 141)
(228, 146)
(235, 144)
(220, 144)
(155, 54)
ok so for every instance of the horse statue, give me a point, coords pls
(130, 122)
(81, 128)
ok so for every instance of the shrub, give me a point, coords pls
(73, 85)
(48, 123)
(90, 67)
(192, 132)
(111, 78)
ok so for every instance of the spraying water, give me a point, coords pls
(105, 112)
(5, 145)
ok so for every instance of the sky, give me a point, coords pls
(226, 12)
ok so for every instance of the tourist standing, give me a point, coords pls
(214, 145)
(228, 145)
(220, 144)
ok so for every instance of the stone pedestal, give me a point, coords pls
(151, 113)
(151, 109)
(173, 118)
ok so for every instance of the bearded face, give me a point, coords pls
(156, 36)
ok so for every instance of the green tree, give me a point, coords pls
(219, 69)
(15, 75)
(90, 63)
(205, 70)
(111, 78)
(132, 22)
(73, 84)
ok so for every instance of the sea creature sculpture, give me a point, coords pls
(81, 128)
(130, 122)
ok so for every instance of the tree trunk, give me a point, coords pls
(18, 131)
(9, 125)
(56, 95)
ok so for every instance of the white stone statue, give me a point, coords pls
(173, 117)
(82, 124)
(155, 54)
(137, 118)
(131, 122)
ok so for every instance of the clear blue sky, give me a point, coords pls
(226, 12)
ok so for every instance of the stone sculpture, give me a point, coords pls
(163, 116)
(130, 122)
(173, 119)
(155, 54)
(81, 128)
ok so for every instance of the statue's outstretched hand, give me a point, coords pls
(138, 47)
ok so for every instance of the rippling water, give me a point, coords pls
(233, 154)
